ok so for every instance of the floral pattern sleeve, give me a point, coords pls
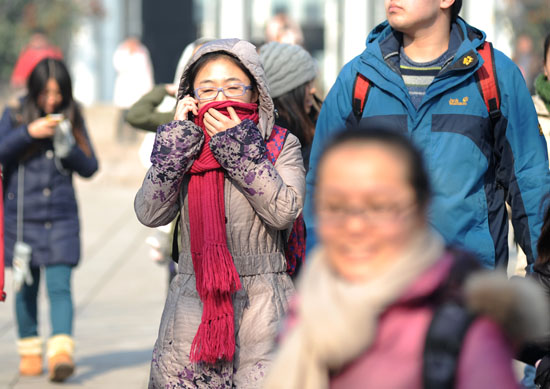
(176, 146)
(275, 192)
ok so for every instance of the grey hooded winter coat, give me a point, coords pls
(259, 211)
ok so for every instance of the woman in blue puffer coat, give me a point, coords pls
(43, 140)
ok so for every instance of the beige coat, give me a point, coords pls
(259, 212)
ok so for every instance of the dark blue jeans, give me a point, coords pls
(58, 284)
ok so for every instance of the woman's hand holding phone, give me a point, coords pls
(44, 127)
(184, 106)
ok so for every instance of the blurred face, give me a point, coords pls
(366, 208)
(222, 72)
(308, 99)
(50, 98)
(409, 16)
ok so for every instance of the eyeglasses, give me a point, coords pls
(206, 93)
(372, 213)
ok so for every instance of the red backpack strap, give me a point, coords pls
(361, 88)
(275, 143)
(486, 78)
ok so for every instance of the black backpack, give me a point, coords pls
(449, 325)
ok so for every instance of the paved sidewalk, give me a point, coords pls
(118, 291)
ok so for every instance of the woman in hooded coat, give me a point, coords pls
(210, 164)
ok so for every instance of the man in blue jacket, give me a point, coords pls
(421, 65)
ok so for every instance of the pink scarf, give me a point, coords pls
(215, 273)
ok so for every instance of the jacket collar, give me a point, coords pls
(384, 43)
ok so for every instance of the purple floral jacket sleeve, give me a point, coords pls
(176, 146)
(275, 192)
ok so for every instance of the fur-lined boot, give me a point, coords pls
(60, 357)
(30, 350)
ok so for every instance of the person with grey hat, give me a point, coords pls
(291, 73)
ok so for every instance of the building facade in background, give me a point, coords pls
(334, 31)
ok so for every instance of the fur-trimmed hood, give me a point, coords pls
(519, 305)
(247, 55)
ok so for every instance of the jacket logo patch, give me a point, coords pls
(467, 60)
(459, 102)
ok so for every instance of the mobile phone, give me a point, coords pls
(55, 117)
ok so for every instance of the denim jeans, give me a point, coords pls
(58, 285)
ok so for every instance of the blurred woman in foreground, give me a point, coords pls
(368, 296)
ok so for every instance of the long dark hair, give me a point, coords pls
(29, 111)
(290, 107)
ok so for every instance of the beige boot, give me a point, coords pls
(30, 350)
(60, 357)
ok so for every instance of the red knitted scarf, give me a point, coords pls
(215, 273)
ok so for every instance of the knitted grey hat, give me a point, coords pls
(286, 67)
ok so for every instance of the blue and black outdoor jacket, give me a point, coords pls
(474, 166)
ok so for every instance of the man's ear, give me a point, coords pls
(446, 4)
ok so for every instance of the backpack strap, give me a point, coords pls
(361, 88)
(449, 325)
(486, 78)
(275, 143)
(444, 339)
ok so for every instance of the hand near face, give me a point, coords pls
(184, 106)
(215, 121)
(42, 128)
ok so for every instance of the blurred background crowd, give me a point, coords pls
(88, 32)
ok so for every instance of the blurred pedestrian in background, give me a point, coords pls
(38, 48)
(153, 109)
(134, 78)
(526, 59)
(372, 287)
(211, 165)
(43, 141)
(291, 73)
(282, 28)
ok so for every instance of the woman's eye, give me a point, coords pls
(380, 208)
(334, 208)
(207, 90)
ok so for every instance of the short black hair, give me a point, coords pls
(418, 175)
(455, 9)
